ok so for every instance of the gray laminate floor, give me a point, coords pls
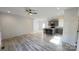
(36, 42)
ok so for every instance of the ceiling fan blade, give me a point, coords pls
(34, 12)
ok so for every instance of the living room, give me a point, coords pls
(33, 28)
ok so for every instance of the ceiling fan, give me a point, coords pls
(30, 11)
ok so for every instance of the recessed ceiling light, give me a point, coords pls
(9, 11)
(58, 8)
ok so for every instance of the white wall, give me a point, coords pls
(78, 19)
(14, 25)
(70, 26)
(35, 25)
(38, 24)
(61, 22)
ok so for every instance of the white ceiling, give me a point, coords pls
(43, 12)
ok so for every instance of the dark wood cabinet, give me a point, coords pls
(53, 23)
